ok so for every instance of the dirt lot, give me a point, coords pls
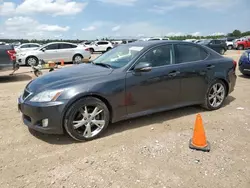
(147, 152)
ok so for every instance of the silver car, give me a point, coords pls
(55, 51)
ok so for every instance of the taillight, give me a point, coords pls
(86, 49)
(12, 54)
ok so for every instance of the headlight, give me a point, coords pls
(46, 96)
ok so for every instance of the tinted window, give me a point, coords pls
(34, 45)
(25, 46)
(158, 56)
(217, 41)
(66, 46)
(102, 43)
(52, 47)
(154, 39)
(189, 53)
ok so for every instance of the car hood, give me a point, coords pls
(67, 76)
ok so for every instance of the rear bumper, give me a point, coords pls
(34, 113)
(9, 66)
(232, 82)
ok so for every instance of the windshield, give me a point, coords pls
(119, 56)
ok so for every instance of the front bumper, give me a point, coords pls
(244, 68)
(33, 114)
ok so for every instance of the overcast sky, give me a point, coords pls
(91, 19)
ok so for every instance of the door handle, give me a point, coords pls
(173, 73)
(210, 66)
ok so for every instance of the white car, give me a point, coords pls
(55, 51)
(100, 46)
(27, 46)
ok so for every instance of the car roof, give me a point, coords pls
(61, 43)
(158, 42)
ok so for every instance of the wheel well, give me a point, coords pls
(77, 54)
(226, 84)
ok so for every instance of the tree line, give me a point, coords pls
(236, 33)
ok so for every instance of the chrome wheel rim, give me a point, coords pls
(216, 95)
(31, 61)
(78, 59)
(89, 121)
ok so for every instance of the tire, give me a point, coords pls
(73, 114)
(38, 73)
(77, 58)
(109, 48)
(207, 103)
(240, 47)
(32, 60)
(222, 51)
(230, 47)
(91, 50)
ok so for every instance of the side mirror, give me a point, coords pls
(96, 44)
(143, 67)
(43, 49)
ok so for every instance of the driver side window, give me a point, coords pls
(159, 56)
(52, 47)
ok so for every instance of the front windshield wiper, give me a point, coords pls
(103, 64)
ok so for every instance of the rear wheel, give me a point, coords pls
(215, 95)
(109, 48)
(230, 47)
(91, 50)
(222, 51)
(77, 58)
(240, 47)
(86, 119)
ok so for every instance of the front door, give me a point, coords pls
(195, 72)
(50, 53)
(154, 90)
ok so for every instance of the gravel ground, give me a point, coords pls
(146, 152)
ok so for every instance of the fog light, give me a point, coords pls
(45, 122)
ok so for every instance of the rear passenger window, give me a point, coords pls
(102, 43)
(189, 53)
(66, 46)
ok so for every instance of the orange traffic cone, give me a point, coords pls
(62, 63)
(199, 142)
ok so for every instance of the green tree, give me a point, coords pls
(237, 33)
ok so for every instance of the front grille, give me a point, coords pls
(26, 94)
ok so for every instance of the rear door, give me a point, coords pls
(66, 52)
(215, 45)
(195, 72)
(102, 46)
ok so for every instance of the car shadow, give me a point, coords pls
(15, 78)
(129, 124)
(157, 118)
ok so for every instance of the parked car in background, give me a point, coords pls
(55, 51)
(152, 38)
(244, 63)
(242, 44)
(128, 41)
(117, 85)
(100, 46)
(229, 42)
(27, 46)
(190, 40)
(219, 46)
(7, 57)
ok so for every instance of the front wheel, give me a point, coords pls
(86, 119)
(230, 47)
(222, 51)
(32, 61)
(215, 95)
